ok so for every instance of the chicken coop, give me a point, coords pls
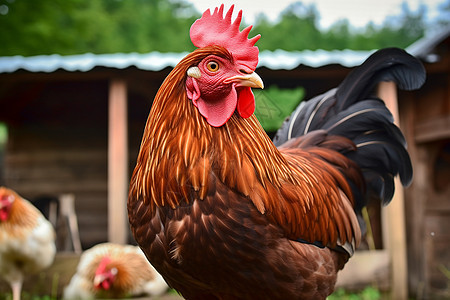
(72, 125)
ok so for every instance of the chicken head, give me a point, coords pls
(219, 86)
(5, 206)
(105, 274)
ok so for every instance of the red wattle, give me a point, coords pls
(246, 102)
(220, 111)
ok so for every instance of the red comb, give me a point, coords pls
(102, 265)
(216, 30)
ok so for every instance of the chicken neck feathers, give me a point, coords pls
(23, 217)
(179, 153)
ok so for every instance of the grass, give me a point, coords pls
(34, 294)
(369, 293)
(27, 296)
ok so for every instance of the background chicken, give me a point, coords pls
(27, 240)
(221, 212)
(114, 271)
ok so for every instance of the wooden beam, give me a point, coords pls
(67, 208)
(393, 216)
(433, 130)
(117, 162)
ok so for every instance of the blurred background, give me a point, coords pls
(68, 66)
(111, 26)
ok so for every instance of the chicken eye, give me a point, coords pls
(213, 66)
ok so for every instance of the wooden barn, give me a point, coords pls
(70, 128)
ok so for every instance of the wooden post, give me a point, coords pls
(117, 162)
(67, 209)
(393, 215)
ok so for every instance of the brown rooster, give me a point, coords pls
(27, 240)
(221, 212)
(110, 270)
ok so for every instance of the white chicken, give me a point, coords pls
(27, 240)
(114, 271)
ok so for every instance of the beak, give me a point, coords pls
(251, 80)
(98, 279)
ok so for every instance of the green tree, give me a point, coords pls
(443, 19)
(339, 36)
(29, 27)
(102, 26)
(296, 30)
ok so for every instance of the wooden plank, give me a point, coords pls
(67, 209)
(393, 216)
(117, 162)
(41, 163)
(415, 197)
(435, 129)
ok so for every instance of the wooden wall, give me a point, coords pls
(58, 137)
(57, 144)
(425, 117)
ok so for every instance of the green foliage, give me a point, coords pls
(27, 296)
(29, 27)
(101, 26)
(3, 134)
(444, 271)
(443, 20)
(369, 293)
(297, 30)
(273, 105)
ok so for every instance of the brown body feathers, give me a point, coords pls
(194, 183)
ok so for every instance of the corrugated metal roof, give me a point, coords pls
(155, 61)
(49, 63)
(281, 59)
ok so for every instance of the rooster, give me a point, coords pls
(114, 271)
(27, 240)
(223, 213)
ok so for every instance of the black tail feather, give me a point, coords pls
(389, 64)
(352, 111)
